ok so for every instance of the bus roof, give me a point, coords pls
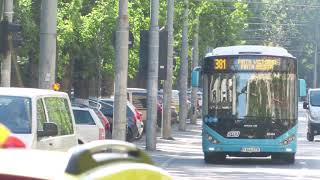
(250, 50)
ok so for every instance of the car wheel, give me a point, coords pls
(310, 137)
(108, 134)
(214, 158)
(129, 137)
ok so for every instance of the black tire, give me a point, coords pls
(129, 137)
(80, 142)
(287, 158)
(214, 158)
(310, 137)
(108, 135)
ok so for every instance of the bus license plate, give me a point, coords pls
(250, 149)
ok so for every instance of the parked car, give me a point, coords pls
(174, 113)
(103, 159)
(88, 124)
(312, 105)
(138, 98)
(106, 123)
(132, 119)
(107, 110)
(42, 119)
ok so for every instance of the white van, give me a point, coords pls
(42, 119)
(313, 113)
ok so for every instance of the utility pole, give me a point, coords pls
(153, 64)
(167, 91)
(316, 46)
(6, 63)
(183, 78)
(195, 62)
(315, 65)
(48, 40)
(1, 8)
(120, 80)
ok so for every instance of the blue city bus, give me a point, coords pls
(250, 103)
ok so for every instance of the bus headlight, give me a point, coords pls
(212, 140)
(288, 140)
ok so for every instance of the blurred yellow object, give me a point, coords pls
(56, 86)
(124, 170)
(112, 160)
(102, 160)
(4, 134)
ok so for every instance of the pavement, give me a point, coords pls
(185, 144)
(183, 158)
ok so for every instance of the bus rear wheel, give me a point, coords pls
(214, 157)
(288, 158)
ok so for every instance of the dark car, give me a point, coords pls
(107, 110)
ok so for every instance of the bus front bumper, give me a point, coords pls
(286, 143)
(248, 149)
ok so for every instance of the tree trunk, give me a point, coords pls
(66, 84)
(107, 85)
(183, 74)
(32, 70)
(16, 73)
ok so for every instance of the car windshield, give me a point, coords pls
(15, 113)
(315, 98)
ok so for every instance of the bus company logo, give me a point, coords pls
(271, 134)
(233, 134)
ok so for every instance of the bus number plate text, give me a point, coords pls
(250, 149)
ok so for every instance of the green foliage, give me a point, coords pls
(291, 24)
(85, 30)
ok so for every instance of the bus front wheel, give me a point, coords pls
(214, 157)
(287, 158)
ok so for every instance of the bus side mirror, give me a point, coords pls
(195, 77)
(305, 105)
(302, 88)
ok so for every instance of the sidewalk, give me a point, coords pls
(185, 144)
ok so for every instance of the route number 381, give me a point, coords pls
(220, 64)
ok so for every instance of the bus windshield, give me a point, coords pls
(315, 98)
(245, 95)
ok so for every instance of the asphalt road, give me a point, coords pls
(183, 159)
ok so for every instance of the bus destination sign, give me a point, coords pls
(263, 63)
(266, 64)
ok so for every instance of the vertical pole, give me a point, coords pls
(1, 8)
(195, 63)
(153, 77)
(48, 37)
(6, 63)
(167, 92)
(315, 65)
(183, 78)
(120, 81)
